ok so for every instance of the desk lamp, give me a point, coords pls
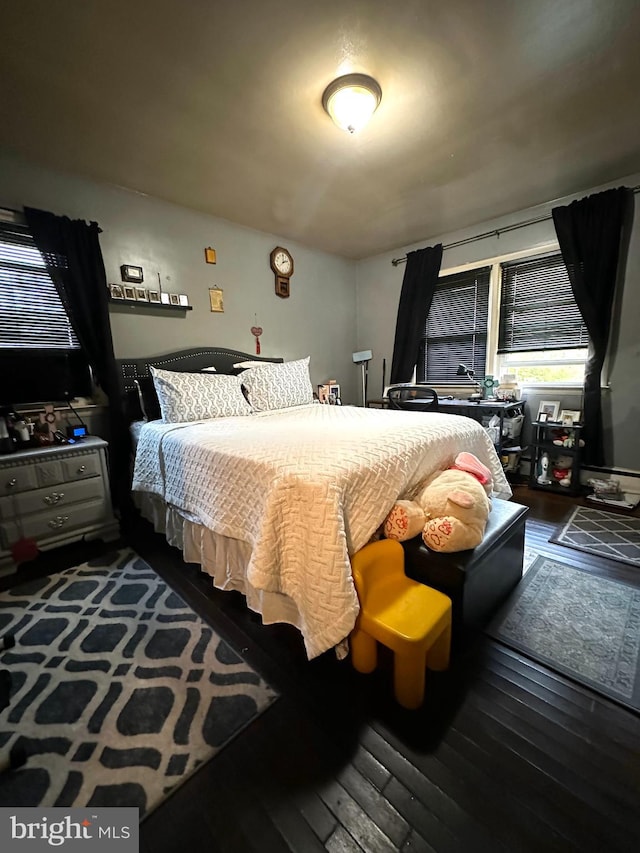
(463, 370)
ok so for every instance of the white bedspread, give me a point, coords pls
(305, 487)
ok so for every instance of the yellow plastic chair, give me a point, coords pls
(411, 619)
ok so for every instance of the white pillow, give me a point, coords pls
(196, 396)
(277, 386)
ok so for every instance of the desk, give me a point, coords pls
(480, 410)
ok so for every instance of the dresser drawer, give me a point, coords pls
(17, 478)
(81, 467)
(54, 522)
(52, 498)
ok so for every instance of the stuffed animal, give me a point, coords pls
(450, 510)
(562, 470)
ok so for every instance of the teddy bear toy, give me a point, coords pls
(450, 509)
(562, 471)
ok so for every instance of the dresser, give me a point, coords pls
(55, 495)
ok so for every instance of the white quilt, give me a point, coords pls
(305, 487)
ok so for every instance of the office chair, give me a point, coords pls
(412, 398)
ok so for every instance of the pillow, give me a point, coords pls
(197, 396)
(277, 386)
(243, 365)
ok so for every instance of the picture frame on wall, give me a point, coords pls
(115, 291)
(141, 294)
(154, 296)
(216, 300)
(129, 292)
(174, 299)
(131, 273)
(550, 408)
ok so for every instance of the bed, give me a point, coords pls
(273, 502)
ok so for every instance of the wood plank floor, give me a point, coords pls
(505, 755)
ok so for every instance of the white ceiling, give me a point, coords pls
(488, 107)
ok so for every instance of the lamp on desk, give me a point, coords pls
(463, 370)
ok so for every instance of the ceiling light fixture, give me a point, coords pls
(351, 100)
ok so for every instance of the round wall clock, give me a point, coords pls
(282, 266)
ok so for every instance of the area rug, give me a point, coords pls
(581, 625)
(606, 534)
(119, 690)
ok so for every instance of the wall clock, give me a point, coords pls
(282, 266)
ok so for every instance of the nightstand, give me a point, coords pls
(55, 495)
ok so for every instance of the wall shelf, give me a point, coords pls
(140, 303)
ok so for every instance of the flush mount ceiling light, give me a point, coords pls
(351, 100)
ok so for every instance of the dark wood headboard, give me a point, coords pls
(183, 361)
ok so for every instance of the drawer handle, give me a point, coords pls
(81, 469)
(58, 521)
(53, 498)
(11, 483)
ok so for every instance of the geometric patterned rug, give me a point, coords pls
(583, 626)
(603, 533)
(119, 690)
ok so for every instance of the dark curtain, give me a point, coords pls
(590, 235)
(418, 286)
(72, 254)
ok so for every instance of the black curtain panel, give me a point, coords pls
(590, 234)
(418, 286)
(72, 254)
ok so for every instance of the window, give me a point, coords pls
(542, 336)
(456, 330)
(538, 333)
(40, 356)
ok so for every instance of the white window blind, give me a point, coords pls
(31, 313)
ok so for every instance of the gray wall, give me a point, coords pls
(318, 319)
(336, 306)
(378, 291)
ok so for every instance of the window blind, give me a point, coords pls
(537, 307)
(32, 315)
(456, 328)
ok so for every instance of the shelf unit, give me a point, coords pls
(140, 303)
(543, 445)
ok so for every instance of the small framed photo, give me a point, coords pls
(210, 255)
(154, 296)
(141, 294)
(116, 291)
(542, 417)
(550, 408)
(129, 273)
(569, 417)
(174, 299)
(164, 298)
(184, 300)
(129, 292)
(216, 299)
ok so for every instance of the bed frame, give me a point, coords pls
(133, 373)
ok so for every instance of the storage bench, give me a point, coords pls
(479, 580)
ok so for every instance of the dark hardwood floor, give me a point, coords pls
(505, 755)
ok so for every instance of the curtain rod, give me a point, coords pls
(496, 232)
